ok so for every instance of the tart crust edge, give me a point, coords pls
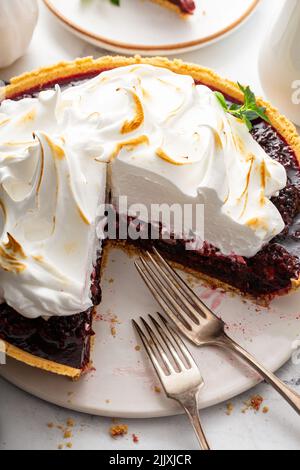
(61, 70)
(40, 363)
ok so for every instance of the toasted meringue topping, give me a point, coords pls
(166, 140)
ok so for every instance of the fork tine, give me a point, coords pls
(183, 286)
(175, 289)
(170, 344)
(158, 346)
(159, 370)
(178, 340)
(162, 302)
(161, 289)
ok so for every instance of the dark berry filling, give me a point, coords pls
(67, 340)
(265, 274)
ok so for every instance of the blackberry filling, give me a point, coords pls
(65, 340)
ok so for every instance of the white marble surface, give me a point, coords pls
(23, 419)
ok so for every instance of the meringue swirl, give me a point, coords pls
(51, 184)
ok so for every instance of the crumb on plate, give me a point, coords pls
(113, 331)
(254, 403)
(229, 409)
(118, 430)
(70, 423)
(68, 434)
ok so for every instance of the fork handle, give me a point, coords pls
(190, 406)
(287, 393)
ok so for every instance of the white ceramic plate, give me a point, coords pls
(123, 382)
(139, 26)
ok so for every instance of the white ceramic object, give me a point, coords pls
(18, 19)
(279, 62)
(140, 26)
(123, 382)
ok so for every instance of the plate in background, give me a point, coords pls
(139, 26)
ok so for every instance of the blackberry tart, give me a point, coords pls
(162, 133)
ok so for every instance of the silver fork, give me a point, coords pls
(175, 367)
(195, 320)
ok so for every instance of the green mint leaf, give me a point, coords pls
(261, 112)
(249, 96)
(248, 122)
(247, 112)
(235, 107)
(251, 115)
(221, 99)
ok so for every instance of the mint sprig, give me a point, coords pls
(247, 112)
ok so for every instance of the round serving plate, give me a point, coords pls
(123, 383)
(142, 27)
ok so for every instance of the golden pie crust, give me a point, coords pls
(40, 363)
(63, 70)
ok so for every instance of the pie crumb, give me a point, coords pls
(254, 403)
(135, 439)
(113, 331)
(68, 434)
(157, 389)
(118, 430)
(70, 423)
(229, 409)
(266, 410)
